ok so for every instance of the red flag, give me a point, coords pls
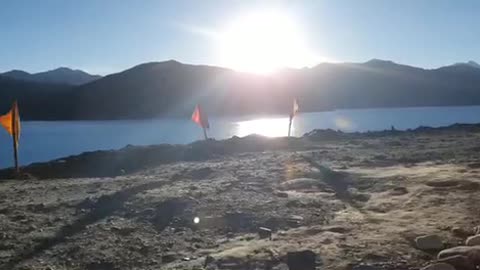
(200, 118)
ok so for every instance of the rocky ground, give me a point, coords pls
(383, 200)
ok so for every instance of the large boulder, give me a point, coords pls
(429, 242)
(459, 262)
(471, 252)
(473, 240)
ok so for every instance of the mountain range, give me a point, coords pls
(60, 75)
(170, 88)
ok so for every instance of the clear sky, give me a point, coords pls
(104, 36)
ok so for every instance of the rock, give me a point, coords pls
(476, 230)
(361, 197)
(168, 258)
(301, 260)
(459, 262)
(439, 266)
(295, 220)
(303, 184)
(281, 194)
(471, 252)
(264, 233)
(429, 242)
(208, 260)
(335, 229)
(124, 231)
(397, 191)
(458, 231)
(473, 240)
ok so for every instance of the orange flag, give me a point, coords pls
(11, 122)
(200, 118)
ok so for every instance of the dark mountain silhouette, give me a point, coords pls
(172, 89)
(60, 75)
(38, 101)
(470, 63)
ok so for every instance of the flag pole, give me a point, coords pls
(205, 133)
(14, 135)
(290, 125)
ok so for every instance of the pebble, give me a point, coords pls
(458, 231)
(335, 229)
(439, 266)
(471, 252)
(397, 191)
(429, 242)
(265, 233)
(281, 194)
(473, 240)
(295, 219)
(459, 262)
(168, 258)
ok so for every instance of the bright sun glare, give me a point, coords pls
(263, 42)
(270, 127)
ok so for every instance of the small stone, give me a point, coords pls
(335, 229)
(473, 240)
(281, 194)
(208, 260)
(265, 233)
(458, 231)
(459, 262)
(429, 242)
(439, 266)
(168, 258)
(295, 219)
(471, 252)
(301, 260)
(397, 191)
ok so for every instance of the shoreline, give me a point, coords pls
(131, 159)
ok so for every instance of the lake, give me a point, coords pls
(42, 141)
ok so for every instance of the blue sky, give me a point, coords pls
(104, 36)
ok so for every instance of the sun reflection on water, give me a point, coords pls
(270, 127)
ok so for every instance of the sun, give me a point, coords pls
(263, 42)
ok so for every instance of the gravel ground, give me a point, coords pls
(354, 200)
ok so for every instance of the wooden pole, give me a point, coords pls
(205, 133)
(290, 125)
(14, 136)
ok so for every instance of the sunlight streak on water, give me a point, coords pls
(270, 127)
(344, 123)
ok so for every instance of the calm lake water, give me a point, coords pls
(42, 141)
